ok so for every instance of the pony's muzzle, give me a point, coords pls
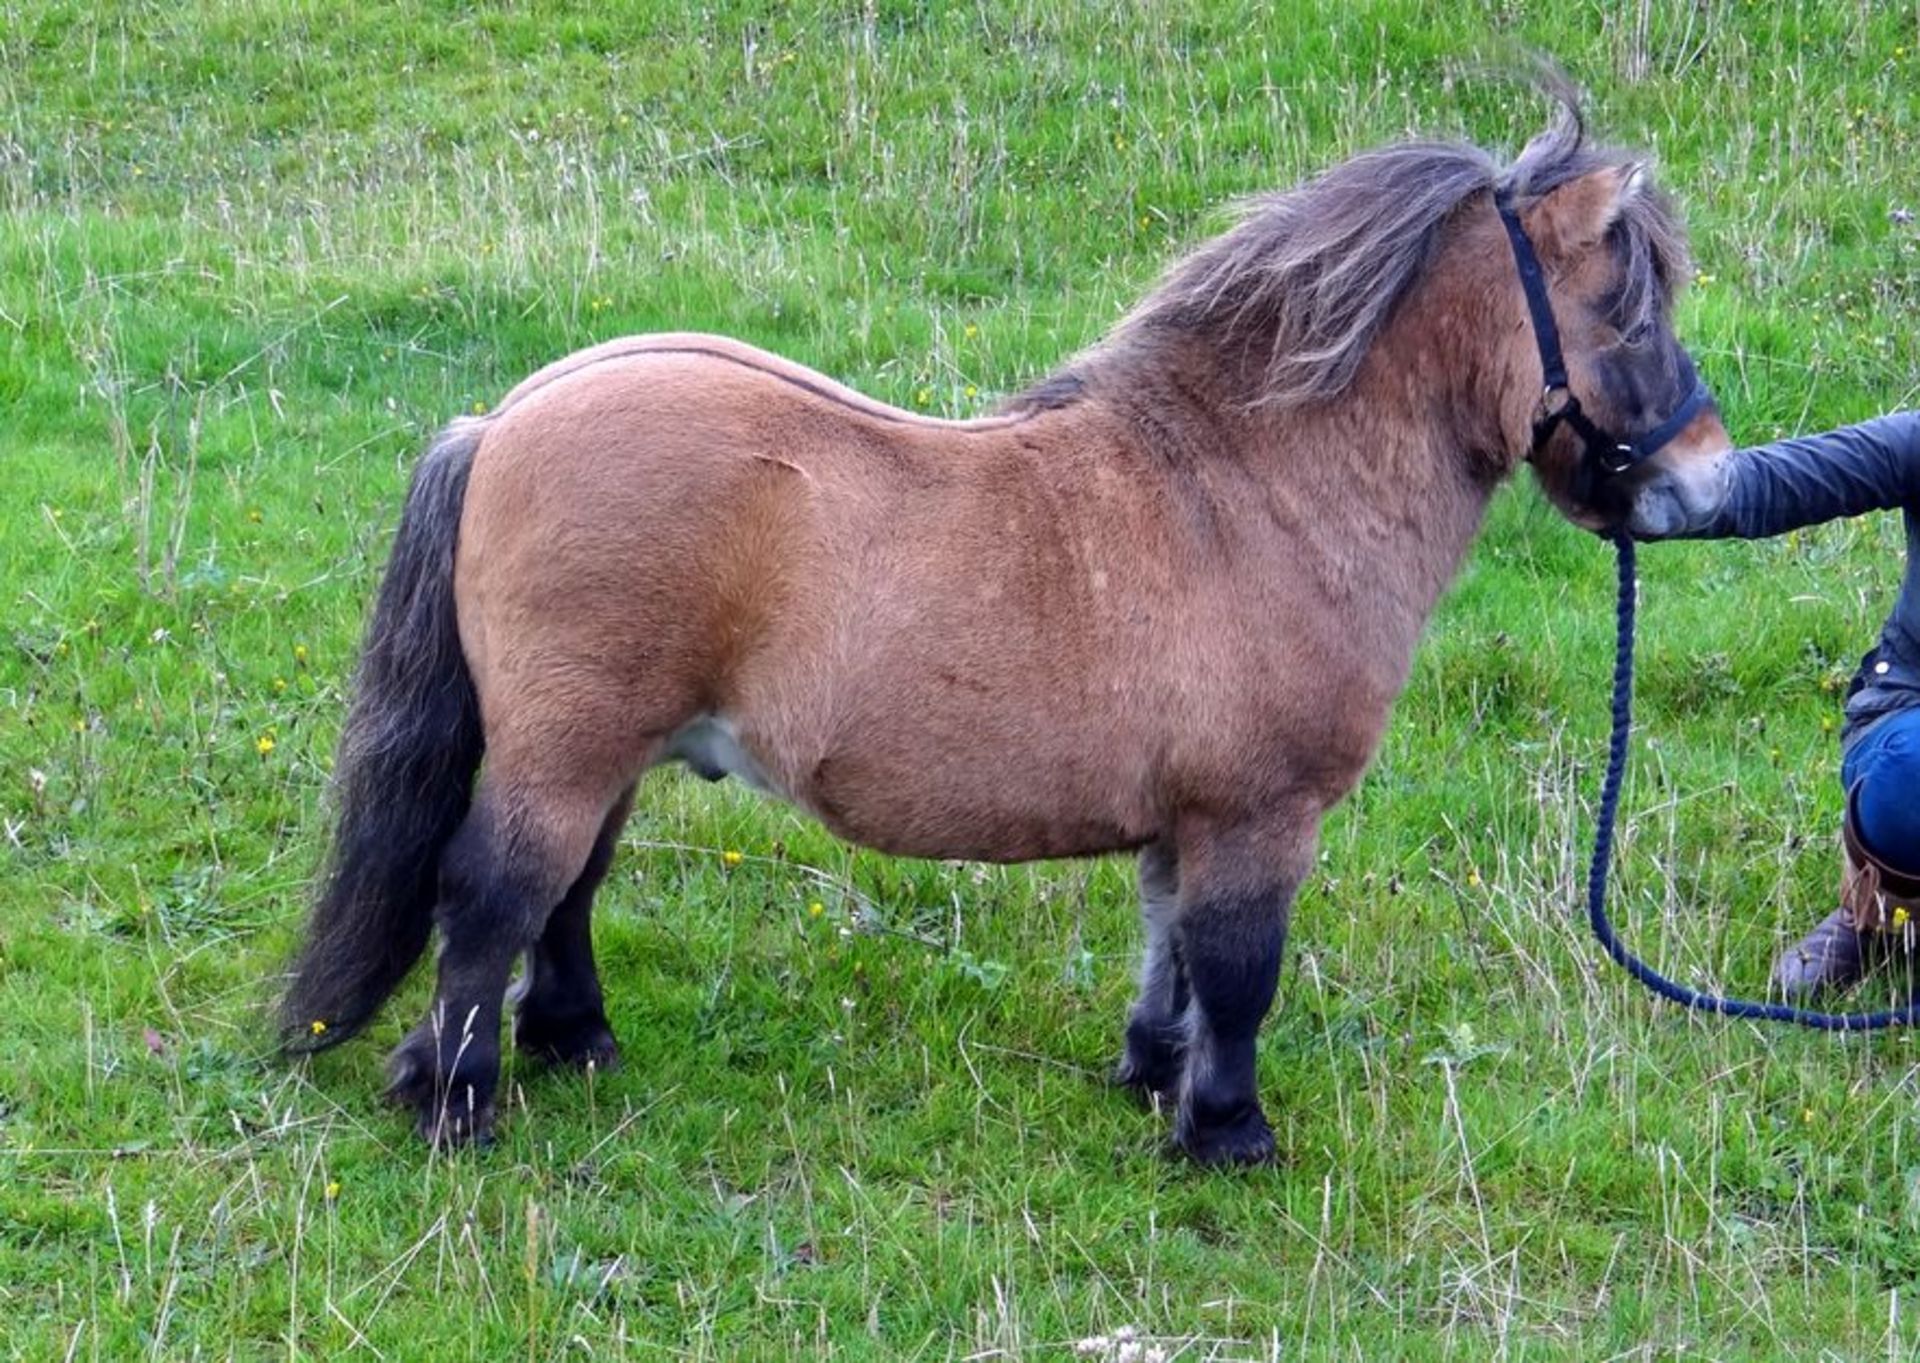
(1684, 486)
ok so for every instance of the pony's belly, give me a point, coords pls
(950, 805)
(983, 804)
(994, 840)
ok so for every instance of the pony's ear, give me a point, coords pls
(1573, 216)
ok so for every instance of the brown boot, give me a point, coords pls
(1879, 897)
(1834, 956)
(1876, 922)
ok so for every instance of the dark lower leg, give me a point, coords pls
(1156, 1026)
(560, 1012)
(448, 1067)
(1232, 947)
(496, 882)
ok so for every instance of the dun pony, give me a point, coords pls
(1160, 603)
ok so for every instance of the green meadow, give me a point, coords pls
(254, 252)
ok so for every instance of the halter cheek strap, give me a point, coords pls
(1533, 282)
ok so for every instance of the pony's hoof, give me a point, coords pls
(583, 1043)
(1245, 1139)
(447, 1114)
(448, 1130)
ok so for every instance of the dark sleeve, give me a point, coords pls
(1779, 487)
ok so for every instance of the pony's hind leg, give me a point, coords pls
(1156, 1026)
(521, 847)
(560, 1014)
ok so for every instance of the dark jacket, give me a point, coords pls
(1874, 466)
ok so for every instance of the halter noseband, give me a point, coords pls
(1607, 456)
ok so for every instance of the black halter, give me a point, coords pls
(1607, 456)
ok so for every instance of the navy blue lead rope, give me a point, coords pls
(1603, 855)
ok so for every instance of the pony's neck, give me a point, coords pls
(1388, 494)
(1405, 462)
(1385, 485)
(1375, 495)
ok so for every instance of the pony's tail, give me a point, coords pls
(404, 773)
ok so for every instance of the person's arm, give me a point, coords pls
(1774, 488)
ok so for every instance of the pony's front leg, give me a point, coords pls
(1235, 897)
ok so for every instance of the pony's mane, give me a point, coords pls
(1312, 275)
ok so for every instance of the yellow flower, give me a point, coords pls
(972, 392)
(1900, 916)
(479, 409)
(731, 857)
(1807, 1116)
(317, 1027)
(333, 1189)
(815, 909)
(254, 515)
(300, 653)
(279, 683)
(263, 744)
(1473, 880)
(971, 331)
(922, 397)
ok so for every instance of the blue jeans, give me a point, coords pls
(1884, 763)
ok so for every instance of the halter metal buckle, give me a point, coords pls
(1619, 459)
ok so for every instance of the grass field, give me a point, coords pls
(252, 254)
